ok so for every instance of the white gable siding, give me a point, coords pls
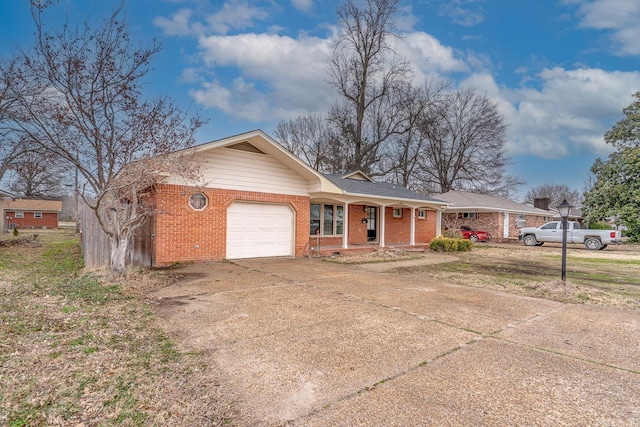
(232, 169)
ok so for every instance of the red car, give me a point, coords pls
(475, 235)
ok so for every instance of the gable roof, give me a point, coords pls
(359, 187)
(263, 143)
(33, 205)
(357, 175)
(355, 184)
(462, 200)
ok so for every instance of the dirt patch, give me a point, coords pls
(377, 256)
(22, 242)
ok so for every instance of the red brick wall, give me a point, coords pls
(426, 228)
(184, 235)
(530, 221)
(398, 230)
(357, 230)
(48, 220)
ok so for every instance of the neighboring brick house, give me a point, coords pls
(499, 216)
(256, 199)
(24, 213)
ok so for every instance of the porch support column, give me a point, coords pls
(412, 233)
(382, 224)
(438, 222)
(345, 227)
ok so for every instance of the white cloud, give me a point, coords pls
(462, 13)
(284, 77)
(567, 115)
(620, 17)
(427, 55)
(235, 15)
(405, 20)
(281, 78)
(302, 5)
(177, 25)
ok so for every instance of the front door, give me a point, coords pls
(372, 221)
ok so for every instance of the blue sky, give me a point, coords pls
(560, 70)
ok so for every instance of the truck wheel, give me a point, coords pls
(473, 238)
(592, 244)
(530, 240)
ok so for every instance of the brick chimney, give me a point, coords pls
(542, 203)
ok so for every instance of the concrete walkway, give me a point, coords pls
(309, 343)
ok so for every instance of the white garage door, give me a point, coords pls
(259, 230)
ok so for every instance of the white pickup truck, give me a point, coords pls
(552, 232)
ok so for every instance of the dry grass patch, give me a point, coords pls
(78, 348)
(602, 277)
(379, 255)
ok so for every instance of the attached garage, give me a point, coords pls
(257, 230)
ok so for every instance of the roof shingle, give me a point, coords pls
(33, 205)
(380, 189)
(472, 201)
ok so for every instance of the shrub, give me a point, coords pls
(599, 226)
(452, 233)
(15, 231)
(447, 244)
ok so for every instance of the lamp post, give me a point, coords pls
(564, 208)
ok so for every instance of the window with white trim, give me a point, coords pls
(397, 212)
(521, 221)
(467, 215)
(19, 214)
(422, 214)
(37, 214)
(326, 219)
(198, 201)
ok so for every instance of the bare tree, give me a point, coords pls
(36, 176)
(365, 70)
(465, 147)
(556, 193)
(12, 145)
(84, 105)
(404, 155)
(312, 139)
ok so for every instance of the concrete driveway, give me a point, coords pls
(308, 343)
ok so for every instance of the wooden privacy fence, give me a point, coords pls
(96, 247)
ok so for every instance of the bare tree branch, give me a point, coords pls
(365, 70)
(465, 147)
(82, 102)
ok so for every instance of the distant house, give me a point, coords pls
(575, 213)
(24, 213)
(499, 216)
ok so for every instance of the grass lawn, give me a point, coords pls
(611, 276)
(79, 348)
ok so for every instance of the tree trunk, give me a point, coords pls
(118, 254)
